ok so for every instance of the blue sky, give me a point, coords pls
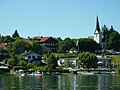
(57, 18)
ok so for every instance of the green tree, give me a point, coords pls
(112, 38)
(16, 60)
(114, 41)
(30, 65)
(52, 62)
(3, 54)
(15, 34)
(87, 60)
(8, 39)
(13, 61)
(66, 45)
(36, 47)
(67, 63)
(22, 61)
(86, 44)
(19, 46)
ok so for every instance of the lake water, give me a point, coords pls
(61, 82)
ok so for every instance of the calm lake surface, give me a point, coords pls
(61, 82)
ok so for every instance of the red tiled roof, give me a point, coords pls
(43, 39)
(3, 45)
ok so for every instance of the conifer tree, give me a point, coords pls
(15, 34)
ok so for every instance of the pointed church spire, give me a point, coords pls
(97, 25)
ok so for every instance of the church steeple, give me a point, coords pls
(97, 30)
(97, 33)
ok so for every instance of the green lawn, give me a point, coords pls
(66, 55)
(115, 58)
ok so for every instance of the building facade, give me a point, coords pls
(32, 57)
(49, 42)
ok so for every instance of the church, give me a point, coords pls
(98, 35)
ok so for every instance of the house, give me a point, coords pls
(104, 62)
(49, 42)
(32, 57)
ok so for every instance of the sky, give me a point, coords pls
(57, 18)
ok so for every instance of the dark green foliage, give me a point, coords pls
(30, 65)
(45, 49)
(16, 60)
(6, 39)
(15, 34)
(67, 63)
(52, 62)
(66, 45)
(3, 54)
(114, 41)
(87, 60)
(89, 45)
(19, 46)
(112, 38)
(36, 47)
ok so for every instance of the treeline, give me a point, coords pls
(15, 45)
(112, 38)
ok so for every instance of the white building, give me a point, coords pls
(32, 57)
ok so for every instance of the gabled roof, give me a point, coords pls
(40, 39)
(43, 39)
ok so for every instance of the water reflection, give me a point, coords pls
(60, 82)
(108, 82)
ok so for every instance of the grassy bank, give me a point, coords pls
(115, 59)
(66, 55)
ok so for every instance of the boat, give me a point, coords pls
(35, 74)
(87, 73)
(23, 74)
(104, 72)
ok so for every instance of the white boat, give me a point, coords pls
(87, 73)
(35, 74)
(23, 74)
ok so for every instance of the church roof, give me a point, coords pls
(97, 26)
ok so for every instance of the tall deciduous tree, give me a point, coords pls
(16, 60)
(89, 45)
(87, 60)
(51, 62)
(66, 45)
(112, 38)
(8, 39)
(114, 41)
(36, 47)
(19, 46)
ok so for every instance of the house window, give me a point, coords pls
(29, 57)
(33, 57)
(38, 56)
